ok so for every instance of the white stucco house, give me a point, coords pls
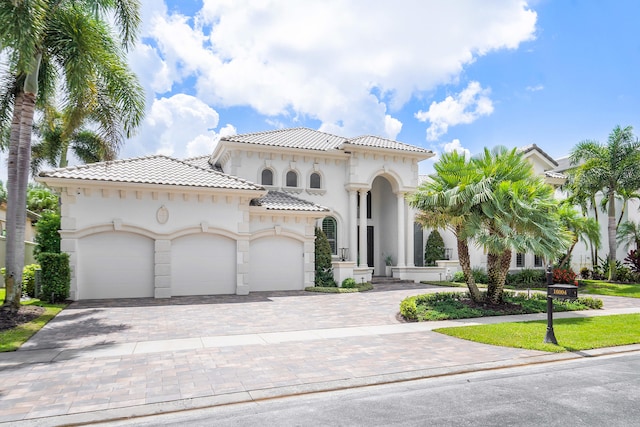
(239, 220)
(242, 219)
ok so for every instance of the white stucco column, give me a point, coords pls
(353, 225)
(401, 230)
(363, 229)
(411, 214)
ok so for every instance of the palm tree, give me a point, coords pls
(518, 213)
(72, 39)
(611, 169)
(56, 140)
(582, 228)
(629, 232)
(445, 202)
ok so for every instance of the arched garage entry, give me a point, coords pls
(203, 264)
(276, 264)
(115, 265)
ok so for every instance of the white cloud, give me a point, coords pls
(535, 88)
(178, 126)
(347, 63)
(455, 145)
(463, 108)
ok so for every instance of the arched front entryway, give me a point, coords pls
(382, 225)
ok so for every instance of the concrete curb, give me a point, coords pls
(86, 418)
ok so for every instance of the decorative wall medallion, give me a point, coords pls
(162, 215)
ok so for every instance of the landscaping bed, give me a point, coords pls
(458, 305)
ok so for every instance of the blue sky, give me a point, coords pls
(461, 74)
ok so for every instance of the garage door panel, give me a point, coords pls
(115, 265)
(277, 264)
(203, 264)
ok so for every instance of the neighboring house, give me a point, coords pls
(240, 220)
(29, 235)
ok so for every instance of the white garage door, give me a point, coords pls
(276, 264)
(115, 265)
(203, 264)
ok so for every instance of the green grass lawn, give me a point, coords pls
(12, 339)
(571, 334)
(601, 287)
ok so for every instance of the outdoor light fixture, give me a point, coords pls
(344, 254)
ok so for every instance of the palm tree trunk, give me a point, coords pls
(465, 264)
(12, 296)
(568, 255)
(611, 228)
(497, 269)
(594, 248)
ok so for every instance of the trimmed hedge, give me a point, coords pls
(335, 290)
(56, 276)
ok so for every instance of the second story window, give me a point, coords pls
(267, 177)
(292, 179)
(314, 180)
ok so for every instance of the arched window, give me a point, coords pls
(330, 228)
(314, 180)
(267, 177)
(292, 179)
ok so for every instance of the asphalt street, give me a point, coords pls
(585, 392)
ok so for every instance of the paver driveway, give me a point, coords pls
(87, 323)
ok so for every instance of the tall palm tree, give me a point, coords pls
(611, 169)
(72, 39)
(445, 202)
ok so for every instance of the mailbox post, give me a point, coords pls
(556, 291)
(550, 337)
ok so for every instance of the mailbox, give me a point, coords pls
(562, 291)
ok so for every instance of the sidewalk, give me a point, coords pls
(109, 375)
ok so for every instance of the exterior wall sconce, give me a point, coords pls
(344, 254)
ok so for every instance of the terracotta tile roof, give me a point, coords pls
(202, 162)
(378, 142)
(278, 200)
(156, 169)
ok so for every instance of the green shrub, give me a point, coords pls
(434, 248)
(458, 277)
(56, 276)
(590, 302)
(480, 275)
(28, 279)
(367, 286)
(47, 235)
(349, 282)
(527, 278)
(408, 308)
(324, 268)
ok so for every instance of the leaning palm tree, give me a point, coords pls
(74, 40)
(582, 228)
(629, 232)
(611, 170)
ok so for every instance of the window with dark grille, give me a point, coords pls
(519, 259)
(267, 177)
(537, 261)
(314, 181)
(292, 179)
(330, 228)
